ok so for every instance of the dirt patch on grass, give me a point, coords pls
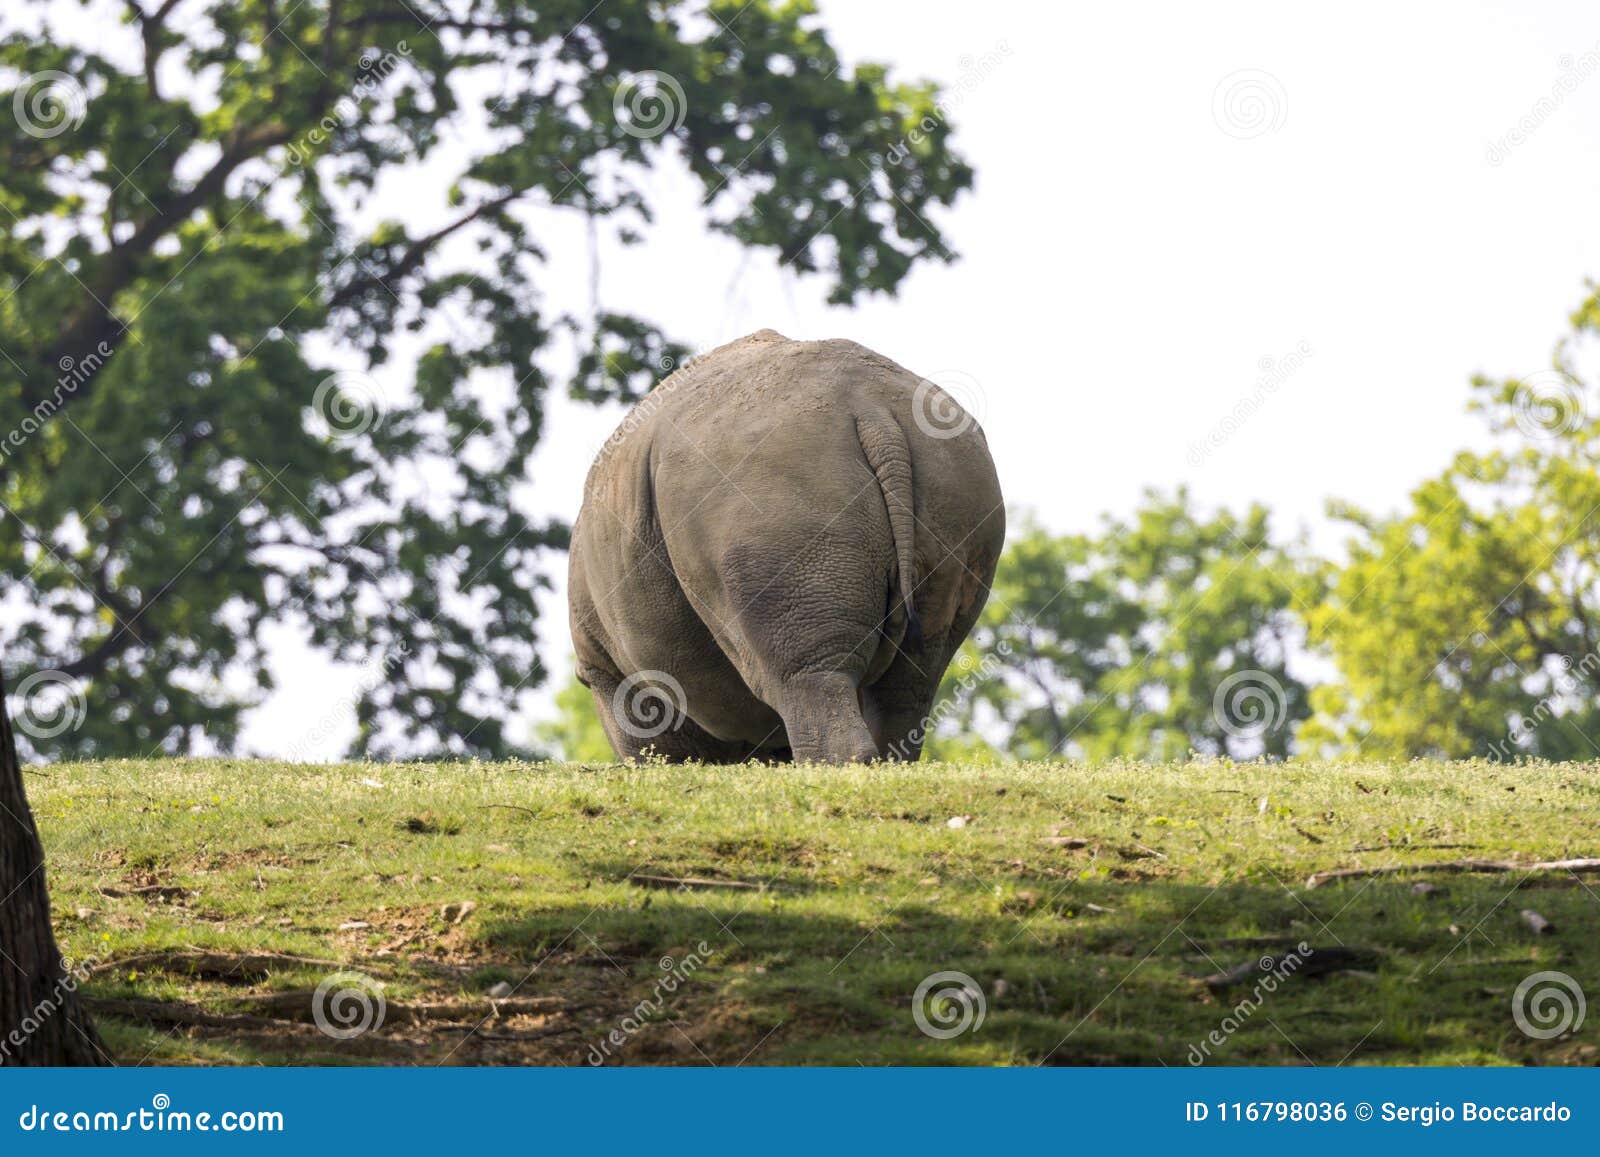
(264, 859)
(793, 853)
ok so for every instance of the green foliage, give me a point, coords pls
(185, 462)
(576, 734)
(1159, 636)
(1469, 623)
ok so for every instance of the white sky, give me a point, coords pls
(1127, 264)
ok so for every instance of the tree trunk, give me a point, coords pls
(42, 1022)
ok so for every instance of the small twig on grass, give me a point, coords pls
(511, 807)
(674, 882)
(1317, 962)
(1317, 879)
(1415, 847)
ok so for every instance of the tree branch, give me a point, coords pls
(417, 252)
(150, 28)
(328, 29)
(93, 323)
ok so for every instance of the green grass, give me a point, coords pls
(1086, 955)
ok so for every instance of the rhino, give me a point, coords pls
(778, 553)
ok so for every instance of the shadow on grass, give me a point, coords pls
(1016, 970)
(1089, 973)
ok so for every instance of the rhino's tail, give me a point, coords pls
(884, 443)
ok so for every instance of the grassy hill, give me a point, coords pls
(563, 914)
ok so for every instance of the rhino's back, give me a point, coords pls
(766, 404)
(765, 416)
(764, 379)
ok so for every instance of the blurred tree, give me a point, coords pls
(576, 733)
(188, 233)
(1469, 624)
(1162, 635)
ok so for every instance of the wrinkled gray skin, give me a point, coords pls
(761, 541)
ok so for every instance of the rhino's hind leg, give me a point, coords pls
(644, 726)
(822, 714)
(900, 706)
